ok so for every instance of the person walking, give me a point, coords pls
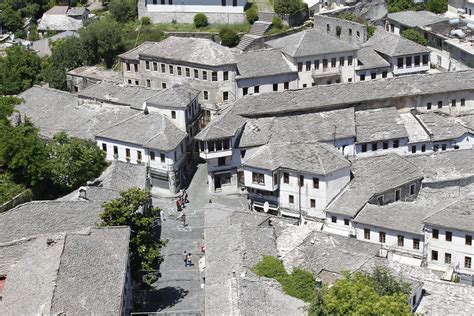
(185, 196)
(162, 216)
(183, 218)
(178, 205)
(189, 261)
(185, 259)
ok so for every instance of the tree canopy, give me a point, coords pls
(288, 6)
(415, 36)
(436, 6)
(123, 10)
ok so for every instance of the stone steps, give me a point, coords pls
(266, 16)
(246, 41)
(259, 28)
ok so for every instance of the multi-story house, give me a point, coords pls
(371, 66)
(183, 11)
(397, 22)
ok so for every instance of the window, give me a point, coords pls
(127, 153)
(341, 61)
(346, 221)
(333, 62)
(139, 155)
(275, 178)
(380, 199)
(412, 189)
(180, 73)
(434, 255)
(349, 60)
(300, 67)
(128, 67)
(196, 74)
(171, 69)
(453, 103)
(214, 76)
(423, 148)
(163, 68)
(397, 194)
(148, 83)
(364, 148)
(417, 60)
(325, 63)
(447, 258)
(440, 104)
(258, 178)
(350, 32)
(400, 62)
(448, 236)
(221, 161)
(152, 155)
(413, 149)
(428, 106)
(225, 95)
(223, 3)
(366, 233)
(245, 91)
(286, 178)
(147, 65)
(435, 233)
(395, 143)
(305, 85)
(206, 95)
(226, 75)
(425, 60)
(135, 66)
(104, 147)
(316, 64)
(327, 82)
(291, 199)
(286, 85)
(382, 237)
(136, 82)
(129, 81)
(400, 241)
(315, 183)
(275, 87)
(155, 66)
(163, 85)
(358, 34)
(362, 77)
(173, 114)
(443, 147)
(468, 240)
(334, 219)
(385, 145)
(162, 158)
(204, 75)
(328, 28)
(467, 262)
(384, 74)
(234, 3)
(308, 66)
(408, 61)
(187, 72)
(301, 182)
(312, 203)
(115, 150)
(374, 146)
(256, 89)
(416, 244)
(463, 102)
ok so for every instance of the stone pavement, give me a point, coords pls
(179, 288)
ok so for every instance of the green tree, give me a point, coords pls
(386, 284)
(11, 20)
(19, 70)
(288, 6)
(252, 14)
(400, 5)
(415, 36)
(7, 105)
(8, 188)
(134, 36)
(130, 210)
(317, 306)
(123, 10)
(229, 37)
(299, 284)
(270, 267)
(277, 22)
(200, 20)
(437, 6)
(73, 162)
(102, 41)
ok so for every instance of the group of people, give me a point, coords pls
(180, 204)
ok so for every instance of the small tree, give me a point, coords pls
(299, 284)
(252, 14)
(123, 10)
(200, 20)
(288, 6)
(145, 21)
(277, 22)
(228, 37)
(415, 36)
(270, 267)
(437, 6)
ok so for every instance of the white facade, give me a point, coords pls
(410, 64)
(266, 84)
(373, 74)
(399, 146)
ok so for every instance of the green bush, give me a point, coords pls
(200, 20)
(145, 20)
(299, 284)
(415, 36)
(252, 15)
(123, 10)
(288, 6)
(229, 37)
(277, 22)
(437, 6)
(270, 267)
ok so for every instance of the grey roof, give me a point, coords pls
(192, 50)
(370, 59)
(321, 126)
(54, 111)
(342, 95)
(372, 176)
(175, 97)
(262, 63)
(92, 271)
(416, 132)
(316, 158)
(134, 52)
(379, 124)
(399, 216)
(394, 45)
(148, 130)
(310, 43)
(75, 11)
(322, 251)
(118, 93)
(459, 215)
(441, 126)
(416, 18)
(120, 176)
(56, 19)
(42, 48)
(48, 217)
(96, 73)
(445, 166)
(93, 193)
(467, 121)
(225, 125)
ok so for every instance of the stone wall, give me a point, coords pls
(259, 43)
(23, 197)
(347, 30)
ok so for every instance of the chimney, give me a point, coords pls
(82, 193)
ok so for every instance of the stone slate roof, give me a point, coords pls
(316, 158)
(441, 126)
(118, 93)
(311, 43)
(134, 53)
(175, 97)
(262, 63)
(416, 132)
(310, 127)
(445, 165)
(42, 48)
(379, 124)
(467, 121)
(120, 176)
(93, 193)
(322, 251)
(96, 73)
(48, 217)
(56, 19)
(400, 216)
(373, 176)
(148, 130)
(223, 126)
(83, 288)
(369, 59)
(192, 50)
(393, 45)
(414, 19)
(343, 95)
(54, 111)
(459, 215)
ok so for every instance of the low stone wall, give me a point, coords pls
(188, 17)
(295, 19)
(206, 35)
(23, 197)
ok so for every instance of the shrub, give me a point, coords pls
(415, 36)
(299, 284)
(437, 6)
(251, 15)
(277, 22)
(200, 20)
(288, 6)
(270, 267)
(229, 37)
(145, 20)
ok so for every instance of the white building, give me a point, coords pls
(371, 66)
(62, 18)
(183, 11)
(399, 21)
(294, 179)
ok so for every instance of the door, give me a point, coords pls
(217, 182)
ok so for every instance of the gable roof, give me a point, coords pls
(310, 43)
(134, 53)
(56, 19)
(175, 97)
(416, 18)
(262, 63)
(441, 126)
(459, 215)
(369, 59)
(224, 126)
(394, 45)
(379, 124)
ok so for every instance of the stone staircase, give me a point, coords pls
(258, 29)
(266, 16)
